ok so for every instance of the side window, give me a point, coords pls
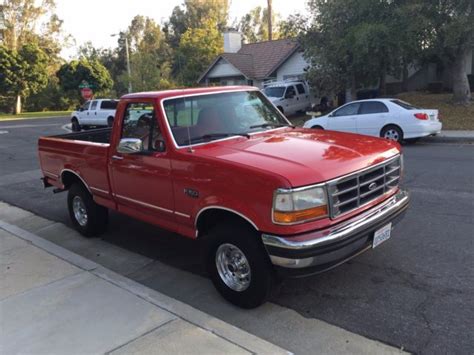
(85, 106)
(300, 89)
(108, 105)
(348, 110)
(373, 107)
(139, 121)
(94, 105)
(290, 91)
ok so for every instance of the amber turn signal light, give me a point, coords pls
(299, 216)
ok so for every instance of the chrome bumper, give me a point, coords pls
(324, 249)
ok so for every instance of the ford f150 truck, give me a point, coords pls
(224, 166)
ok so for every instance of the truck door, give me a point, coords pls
(303, 97)
(141, 179)
(290, 105)
(83, 114)
(92, 113)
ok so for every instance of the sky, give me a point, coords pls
(96, 20)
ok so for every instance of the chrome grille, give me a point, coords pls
(355, 190)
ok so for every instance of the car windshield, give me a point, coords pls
(275, 91)
(405, 105)
(204, 118)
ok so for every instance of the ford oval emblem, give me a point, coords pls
(372, 186)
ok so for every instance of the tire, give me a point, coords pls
(110, 122)
(317, 127)
(75, 126)
(241, 240)
(392, 132)
(89, 218)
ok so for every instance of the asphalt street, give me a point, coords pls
(416, 291)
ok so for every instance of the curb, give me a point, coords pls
(218, 327)
(447, 139)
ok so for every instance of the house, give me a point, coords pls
(254, 63)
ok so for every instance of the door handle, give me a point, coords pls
(117, 157)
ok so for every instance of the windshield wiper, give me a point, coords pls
(268, 124)
(217, 135)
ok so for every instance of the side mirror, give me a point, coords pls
(160, 145)
(130, 146)
(81, 109)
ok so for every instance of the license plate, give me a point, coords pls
(381, 235)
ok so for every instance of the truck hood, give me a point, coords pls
(303, 156)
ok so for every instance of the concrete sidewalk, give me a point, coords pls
(53, 301)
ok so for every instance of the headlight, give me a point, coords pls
(290, 207)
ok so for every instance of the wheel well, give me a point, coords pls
(68, 178)
(74, 118)
(317, 127)
(214, 216)
(112, 117)
(281, 109)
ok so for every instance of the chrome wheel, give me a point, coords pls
(391, 134)
(233, 267)
(79, 209)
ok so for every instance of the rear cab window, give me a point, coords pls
(405, 105)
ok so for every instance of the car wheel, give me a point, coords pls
(239, 265)
(110, 122)
(317, 127)
(75, 126)
(89, 218)
(393, 133)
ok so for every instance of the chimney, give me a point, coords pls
(232, 41)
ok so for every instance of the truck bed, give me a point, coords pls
(83, 154)
(101, 135)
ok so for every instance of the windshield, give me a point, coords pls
(198, 119)
(275, 91)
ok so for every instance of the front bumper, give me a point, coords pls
(321, 250)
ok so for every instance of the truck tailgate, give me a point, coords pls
(88, 160)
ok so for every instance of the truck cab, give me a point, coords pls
(94, 113)
(289, 96)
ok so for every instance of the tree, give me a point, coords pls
(74, 73)
(24, 72)
(197, 48)
(255, 24)
(357, 43)
(451, 38)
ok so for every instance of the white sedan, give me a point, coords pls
(388, 118)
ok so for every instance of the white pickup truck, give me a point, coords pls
(94, 113)
(289, 96)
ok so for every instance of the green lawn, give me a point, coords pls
(33, 115)
(452, 116)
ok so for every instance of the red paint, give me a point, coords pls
(238, 174)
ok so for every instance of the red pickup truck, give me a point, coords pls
(224, 166)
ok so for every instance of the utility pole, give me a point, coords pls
(269, 14)
(127, 53)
